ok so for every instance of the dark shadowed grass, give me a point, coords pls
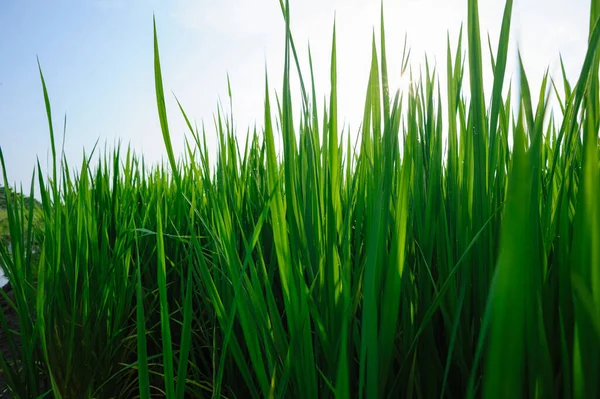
(444, 254)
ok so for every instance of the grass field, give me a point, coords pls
(452, 251)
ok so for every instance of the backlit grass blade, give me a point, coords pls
(496, 99)
(369, 350)
(50, 124)
(570, 120)
(483, 254)
(505, 364)
(162, 109)
(500, 67)
(586, 243)
(384, 73)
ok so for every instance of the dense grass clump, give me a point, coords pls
(451, 252)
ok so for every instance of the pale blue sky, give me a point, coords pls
(97, 60)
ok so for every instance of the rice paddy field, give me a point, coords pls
(452, 251)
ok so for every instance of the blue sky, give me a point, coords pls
(96, 57)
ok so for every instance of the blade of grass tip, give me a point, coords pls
(162, 109)
(50, 124)
(566, 84)
(315, 115)
(333, 123)
(526, 98)
(479, 125)
(164, 307)
(570, 120)
(559, 98)
(500, 70)
(285, 12)
(384, 74)
(493, 61)
(290, 170)
(594, 14)
(594, 91)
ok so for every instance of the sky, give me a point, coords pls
(97, 60)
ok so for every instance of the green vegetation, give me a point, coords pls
(447, 253)
(6, 192)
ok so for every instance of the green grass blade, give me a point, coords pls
(165, 319)
(162, 109)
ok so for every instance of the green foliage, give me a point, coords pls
(443, 255)
(6, 193)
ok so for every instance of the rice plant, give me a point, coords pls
(452, 251)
